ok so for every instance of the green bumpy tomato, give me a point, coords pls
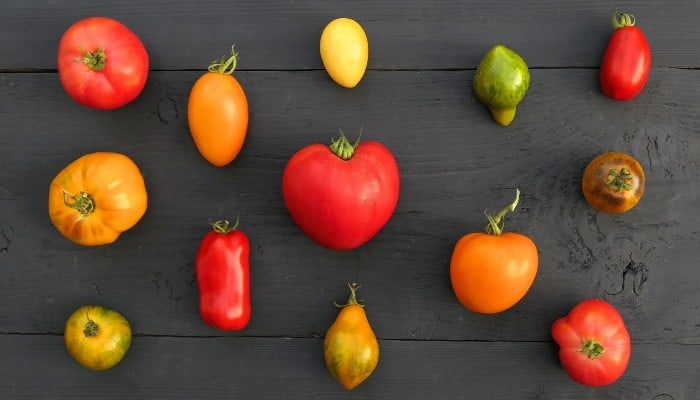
(501, 81)
(97, 337)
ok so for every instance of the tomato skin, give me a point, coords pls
(588, 326)
(613, 182)
(350, 348)
(125, 70)
(626, 63)
(222, 269)
(217, 113)
(341, 204)
(491, 271)
(344, 51)
(97, 337)
(97, 197)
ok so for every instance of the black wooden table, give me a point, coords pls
(455, 162)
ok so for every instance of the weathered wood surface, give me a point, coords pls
(455, 162)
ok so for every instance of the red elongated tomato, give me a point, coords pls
(341, 196)
(222, 268)
(627, 60)
(217, 113)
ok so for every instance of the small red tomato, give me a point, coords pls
(101, 63)
(342, 195)
(594, 345)
(223, 276)
(626, 61)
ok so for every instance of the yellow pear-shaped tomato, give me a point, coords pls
(97, 197)
(350, 348)
(344, 51)
(97, 337)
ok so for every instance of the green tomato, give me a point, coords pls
(97, 337)
(501, 81)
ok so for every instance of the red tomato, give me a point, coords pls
(101, 63)
(342, 195)
(491, 271)
(222, 268)
(626, 61)
(594, 345)
(217, 112)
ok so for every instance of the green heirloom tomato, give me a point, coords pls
(98, 338)
(501, 81)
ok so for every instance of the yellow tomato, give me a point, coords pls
(97, 337)
(97, 197)
(344, 51)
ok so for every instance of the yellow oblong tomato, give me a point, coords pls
(97, 337)
(491, 271)
(344, 51)
(217, 113)
(350, 348)
(97, 197)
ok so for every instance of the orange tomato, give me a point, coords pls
(613, 182)
(491, 271)
(351, 349)
(97, 197)
(217, 113)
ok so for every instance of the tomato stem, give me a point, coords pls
(95, 60)
(222, 225)
(592, 348)
(496, 223)
(225, 65)
(91, 328)
(352, 300)
(343, 148)
(621, 20)
(619, 180)
(82, 202)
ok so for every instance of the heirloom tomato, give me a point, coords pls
(627, 59)
(97, 197)
(344, 51)
(350, 348)
(97, 337)
(101, 63)
(491, 271)
(594, 344)
(613, 182)
(222, 268)
(217, 112)
(342, 195)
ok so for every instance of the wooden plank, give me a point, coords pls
(455, 163)
(267, 368)
(436, 34)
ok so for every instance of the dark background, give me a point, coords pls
(455, 162)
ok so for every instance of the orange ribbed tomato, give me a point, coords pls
(97, 197)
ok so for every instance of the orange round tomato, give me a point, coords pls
(217, 113)
(97, 197)
(350, 348)
(491, 271)
(613, 182)
(97, 337)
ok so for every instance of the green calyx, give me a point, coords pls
(223, 227)
(91, 328)
(81, 202)
(225, 65)
(352, 300)
(619, 180)
(621, 20)
(95, 60)
(343, 148)
(497, 222)
(592, 348)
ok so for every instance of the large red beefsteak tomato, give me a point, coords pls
(102, 64)
(343, 194)
(594, 344)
